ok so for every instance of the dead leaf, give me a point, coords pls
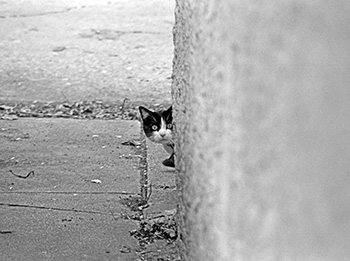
(9, 117)
(125, 249)
(6, 107)
(59, 49)
(131, 143)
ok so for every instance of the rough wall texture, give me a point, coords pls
(262, 108)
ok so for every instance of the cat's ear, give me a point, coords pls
(145, 113)
(168, 112)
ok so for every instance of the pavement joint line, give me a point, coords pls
(57, 209)
(70, 192)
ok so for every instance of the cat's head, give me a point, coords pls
(158, 126)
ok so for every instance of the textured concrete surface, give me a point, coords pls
(262, 113)
(74, 51)
(163, 180)
(59, 212)
(163, 200)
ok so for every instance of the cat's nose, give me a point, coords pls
(162, 135)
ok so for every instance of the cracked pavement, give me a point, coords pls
(69, 208)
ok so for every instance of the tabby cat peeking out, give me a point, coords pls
(158, 127)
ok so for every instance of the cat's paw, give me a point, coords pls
(169, 162)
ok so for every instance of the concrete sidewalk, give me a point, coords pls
(69, 208)
(71, 51)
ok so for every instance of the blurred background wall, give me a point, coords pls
(261, 94)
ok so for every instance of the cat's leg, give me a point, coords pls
(169, 147)
(170, 162)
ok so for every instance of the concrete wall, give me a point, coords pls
(261, 95)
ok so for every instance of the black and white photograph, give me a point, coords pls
(174, 130)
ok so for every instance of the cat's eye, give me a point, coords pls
(169, 125)
(154, 127)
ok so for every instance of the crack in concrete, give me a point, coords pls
(68, 9)
(65, 193)
(70, 192)
(145, 193)
(107, 31)
(14, 205)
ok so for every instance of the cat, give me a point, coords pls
(158, 127)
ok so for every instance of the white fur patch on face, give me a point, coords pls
(164, 135)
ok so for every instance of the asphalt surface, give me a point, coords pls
(86, 50)
(68, 187)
